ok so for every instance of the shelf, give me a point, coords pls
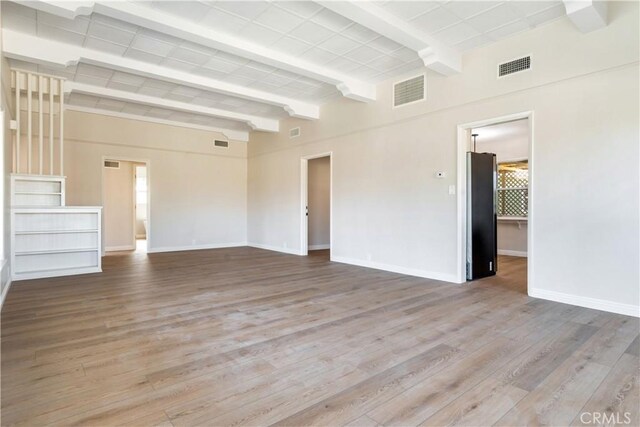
(513, 188)
(512, 218)
(57, 251)
(37, 193)
(56, 232)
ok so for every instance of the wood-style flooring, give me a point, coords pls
(244, 336)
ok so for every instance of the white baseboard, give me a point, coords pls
(512, 253)
(598, 304)
(119, 248)
(398, 269)
(56, 273)
(195, 247)
(5, 279)
(274, 248)
(319, 247)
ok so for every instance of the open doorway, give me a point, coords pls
(125, 205)
(316, 206)
(509, 141)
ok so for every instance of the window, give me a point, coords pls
(513, 189)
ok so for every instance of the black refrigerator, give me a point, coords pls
(482, 220)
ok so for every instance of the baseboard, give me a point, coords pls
(274, 248)
(512, 253)
(195, 247)
(119, 248)
(398, 269)
(5, 279)
(598, 304)
(319, 247)
(56, 273)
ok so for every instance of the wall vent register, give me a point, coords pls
(294, 132)
(408, 91)
(219, 143)
(111, 164)
(515, 66)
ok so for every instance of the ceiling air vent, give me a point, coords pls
(515, 66)
(111, 164)
(408, 91)
(219, 143)
(294, 132)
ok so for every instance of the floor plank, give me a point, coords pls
(244, 336)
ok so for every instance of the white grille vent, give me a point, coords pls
(515, 66)
(111, 164)
(294, 132)
(408, 91)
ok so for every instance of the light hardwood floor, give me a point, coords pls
(244, 336)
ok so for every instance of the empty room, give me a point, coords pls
(320, 213)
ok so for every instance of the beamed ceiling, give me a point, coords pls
(240, 66)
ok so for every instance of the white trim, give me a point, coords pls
(235, 135)
(319, 247)
(141, 236)
(196, 247)
(463, 145)
(304, 200)
(508, 252)
(5, 273)
(588, 302)
(119, 248)
(274, 248)
(56, 273)
(398, 269)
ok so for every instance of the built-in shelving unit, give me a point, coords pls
(58, 241)
(37, 190)
(48, 238)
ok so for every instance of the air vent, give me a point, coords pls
(515, 66)
(294, 132)
(408, 91)
(111, 164)
(219, 143)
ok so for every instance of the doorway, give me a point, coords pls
(316, 209)
(125, 203)
(510, 138)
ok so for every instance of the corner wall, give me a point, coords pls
(6, 161)
(390, 212)
(190, 179)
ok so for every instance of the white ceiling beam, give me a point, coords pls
(255, 122)
(137, 14)
(46, 52)
(587, 15)
(436, 55)
(231, 134)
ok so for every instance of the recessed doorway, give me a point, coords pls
(316, 204)
(125, 201)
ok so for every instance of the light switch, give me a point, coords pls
(452, 190)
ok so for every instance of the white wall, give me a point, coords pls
(318, 201)
(390, 212)
(118, 208)
(197, 191)
(141, 202)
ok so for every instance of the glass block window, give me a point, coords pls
(513, 189)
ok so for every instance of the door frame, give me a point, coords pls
(304, 200)
(464, 143)
(132, 160)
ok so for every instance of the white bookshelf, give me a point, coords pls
(37, 190)
(55, 241)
